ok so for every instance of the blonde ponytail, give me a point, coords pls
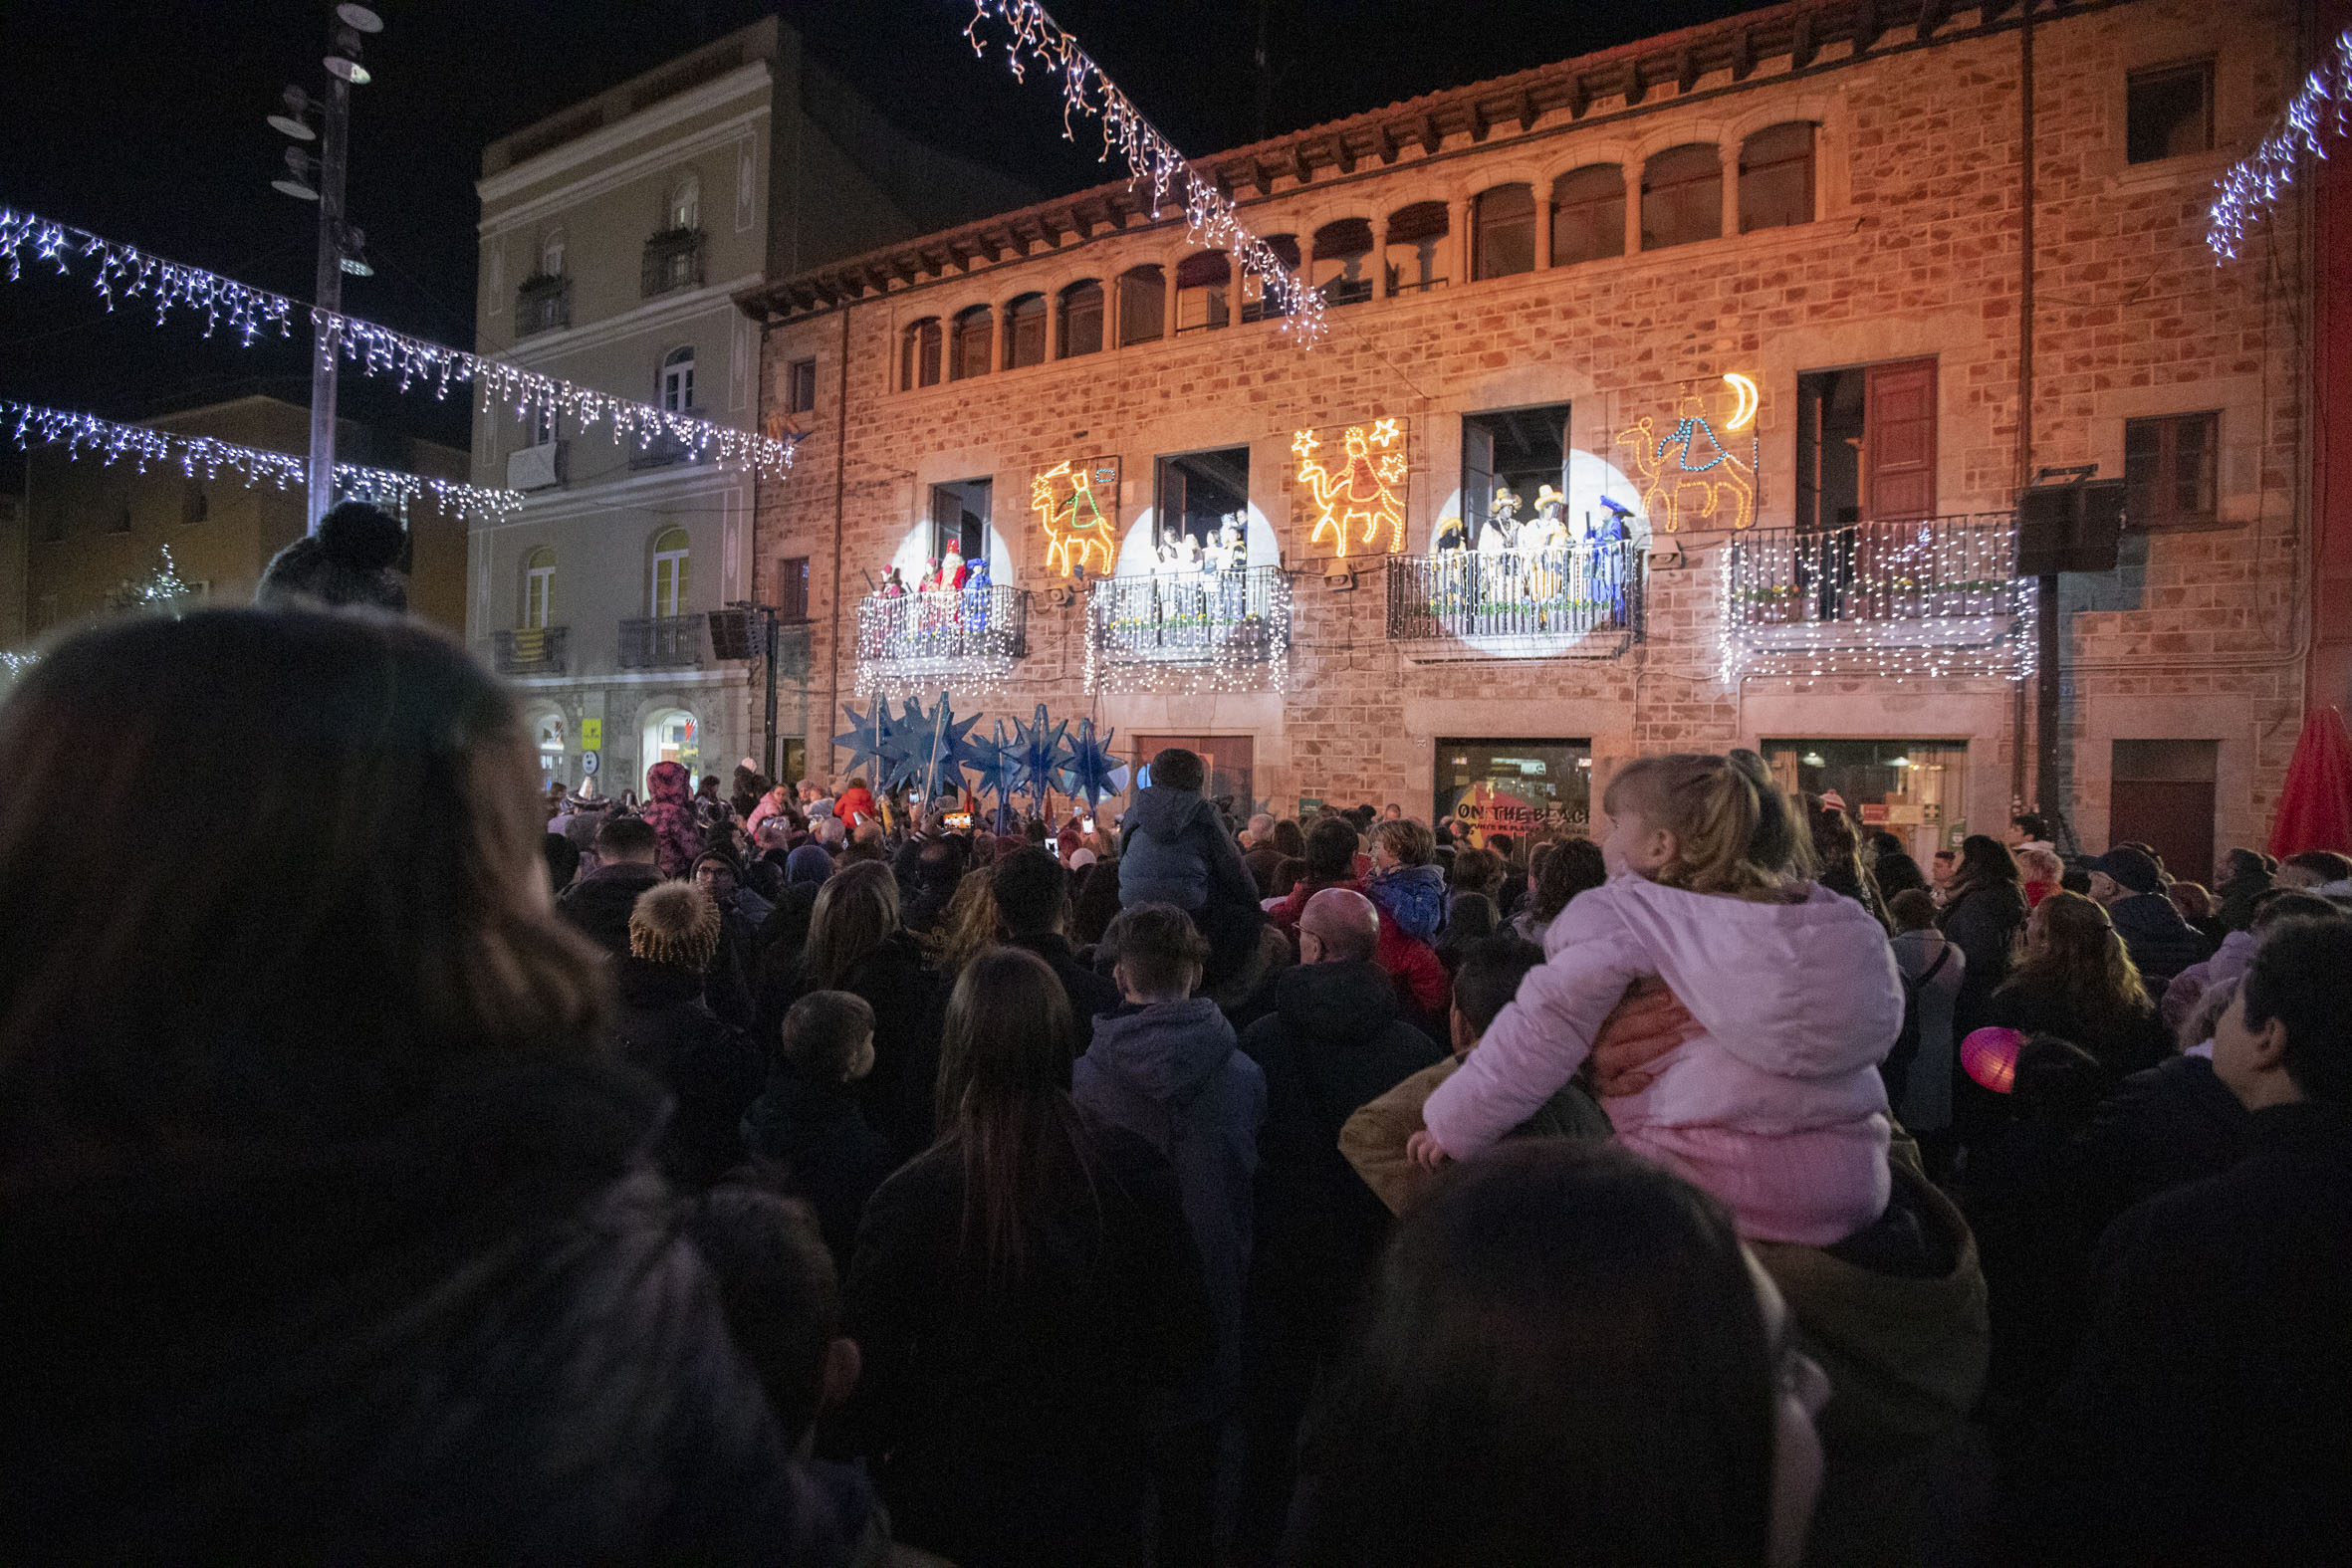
(1735, 831)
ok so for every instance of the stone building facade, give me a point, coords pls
(1568, 275)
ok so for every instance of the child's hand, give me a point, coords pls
(1424, 1150)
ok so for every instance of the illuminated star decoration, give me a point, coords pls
(2250, 187)
(993, 767)
(1040, 752)
(1367, 492)
(868, 739)
(1089, 768)
(121, 273)
(947, 748)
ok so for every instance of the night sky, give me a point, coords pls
(143, 121)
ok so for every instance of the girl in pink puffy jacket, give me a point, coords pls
(1776, 1106)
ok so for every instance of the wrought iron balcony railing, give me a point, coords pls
(530, 650)
(659, 643)
(674, 260)
(661, 449)
(1569, 602)
(1235, 624)
(542, 303)
(967, 634)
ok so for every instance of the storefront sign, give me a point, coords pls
(591, 734)
(1539, 787)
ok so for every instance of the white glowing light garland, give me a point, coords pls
(127, 273)
(2253, 185)
(111, 442)
(1215, 649)
(957, 636)
(1152, 158)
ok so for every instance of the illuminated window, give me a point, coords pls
(2168, 114)
(1025, 331)
(1342, 267)
(1681, 196)
(539, 588)
(1588, 214)
(1257, 304)
(967, 353)
(550, 255)
(1203, 291)
(2170, 471)
(677, 381)
(1504, 228)
(918, 355)
(1082, 318)
(1143, 306)
(683, 209)
(1776, 177)
(671, 549)
(1416, 258)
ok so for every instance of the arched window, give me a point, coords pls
(671, 549)
(550, 255)
(683, 208)
(671, 736)
(1143, 306)
(918, 355)
(1416, 258)
(1081, 330)
(967, 354)
(1259, 303)
(1025, 331)
(1588, 214)
(1776, 177)
(1503, 229)
(678, 381)
(1204, 284)
(1341, 267)
(539, 588)
(1681, 196)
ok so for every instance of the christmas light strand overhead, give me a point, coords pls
(2253, 186)
(205, 457)
(1152, 158)
(124, 274)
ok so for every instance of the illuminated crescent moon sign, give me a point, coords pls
(1745, 415)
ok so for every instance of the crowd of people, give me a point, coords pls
(400, 1162)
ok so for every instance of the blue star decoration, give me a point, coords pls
(868, 737)
(1088, 767)
(1040, 752)
(945, 748)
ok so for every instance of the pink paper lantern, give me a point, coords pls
(1990, 1057)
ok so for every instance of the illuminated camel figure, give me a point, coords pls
(1075, 529)
(1367, 490)
(1700, 463)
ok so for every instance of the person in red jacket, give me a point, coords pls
(855, 804)
(1422, 984)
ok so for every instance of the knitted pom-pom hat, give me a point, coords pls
(674, 923)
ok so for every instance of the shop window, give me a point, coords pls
(1513, 450)
(1204, 284)
(677, 381)
(1198, 493)
(2168, 114)
(1866, 443)
(1342, 261)
(1143, 306)
(539, 589)
(918, 355)
(1082, 318)
(672, 550)
(1681, 196)
(1588, 214)
(1776, 177)
(1521, 789)
(799, 386)
(1914, 789)
(1257, 304)
(1025, 331)
(2170, 468)
(1416, 258)
(1504, 226)
(959, 517)
(967, 353)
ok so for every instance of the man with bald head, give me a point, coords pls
(1336, 1039)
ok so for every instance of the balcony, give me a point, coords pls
(661, 642)
(1921, 595)
(664, 450)
(1573, 601)
(531, 650)
(972, 637)
(1189, 630)
(542, 303)
(674, 260)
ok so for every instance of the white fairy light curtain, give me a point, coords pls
(2253, 186)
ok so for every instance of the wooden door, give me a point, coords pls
(1899, 440)
(2175, 815)
(1230, 759)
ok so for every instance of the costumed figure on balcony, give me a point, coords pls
(951, 567)
(976, 598)
(1610, 535)
(893, 586)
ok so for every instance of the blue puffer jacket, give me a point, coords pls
(1174, 849)
(1412, 896)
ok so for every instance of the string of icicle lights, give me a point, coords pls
(2253, 185)
(124, 274)
(202, 456)
(1150, 157)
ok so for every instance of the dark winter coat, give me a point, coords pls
(1002, 1413)
(1174, 849)
(469, 1333)
(2127, 1043)
(835, 1160)
(2160, 942)
(1168, 1072)
(709, 1066)
(600, 903)
(2208, 1417)
(1984, 921)
(2168, 1126)
(910, 1006)
(1090, 995)
(2238, 894)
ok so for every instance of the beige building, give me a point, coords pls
(89, 527)
(613, 236)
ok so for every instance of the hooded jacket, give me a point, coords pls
(2160, 942)
(1412, 896)
(599, 904)
(711, 1070)
(1169, 1073)
(1174, 849)
(669, 806)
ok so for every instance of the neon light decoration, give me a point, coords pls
(1704, 478)
(1070, 501)
(1750, 400)
(1365, 495)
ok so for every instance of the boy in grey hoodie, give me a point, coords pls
(1174, 848)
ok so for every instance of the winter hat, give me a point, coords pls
(674, 923)
(2129, 867)
(808, 865)
(352, 560)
